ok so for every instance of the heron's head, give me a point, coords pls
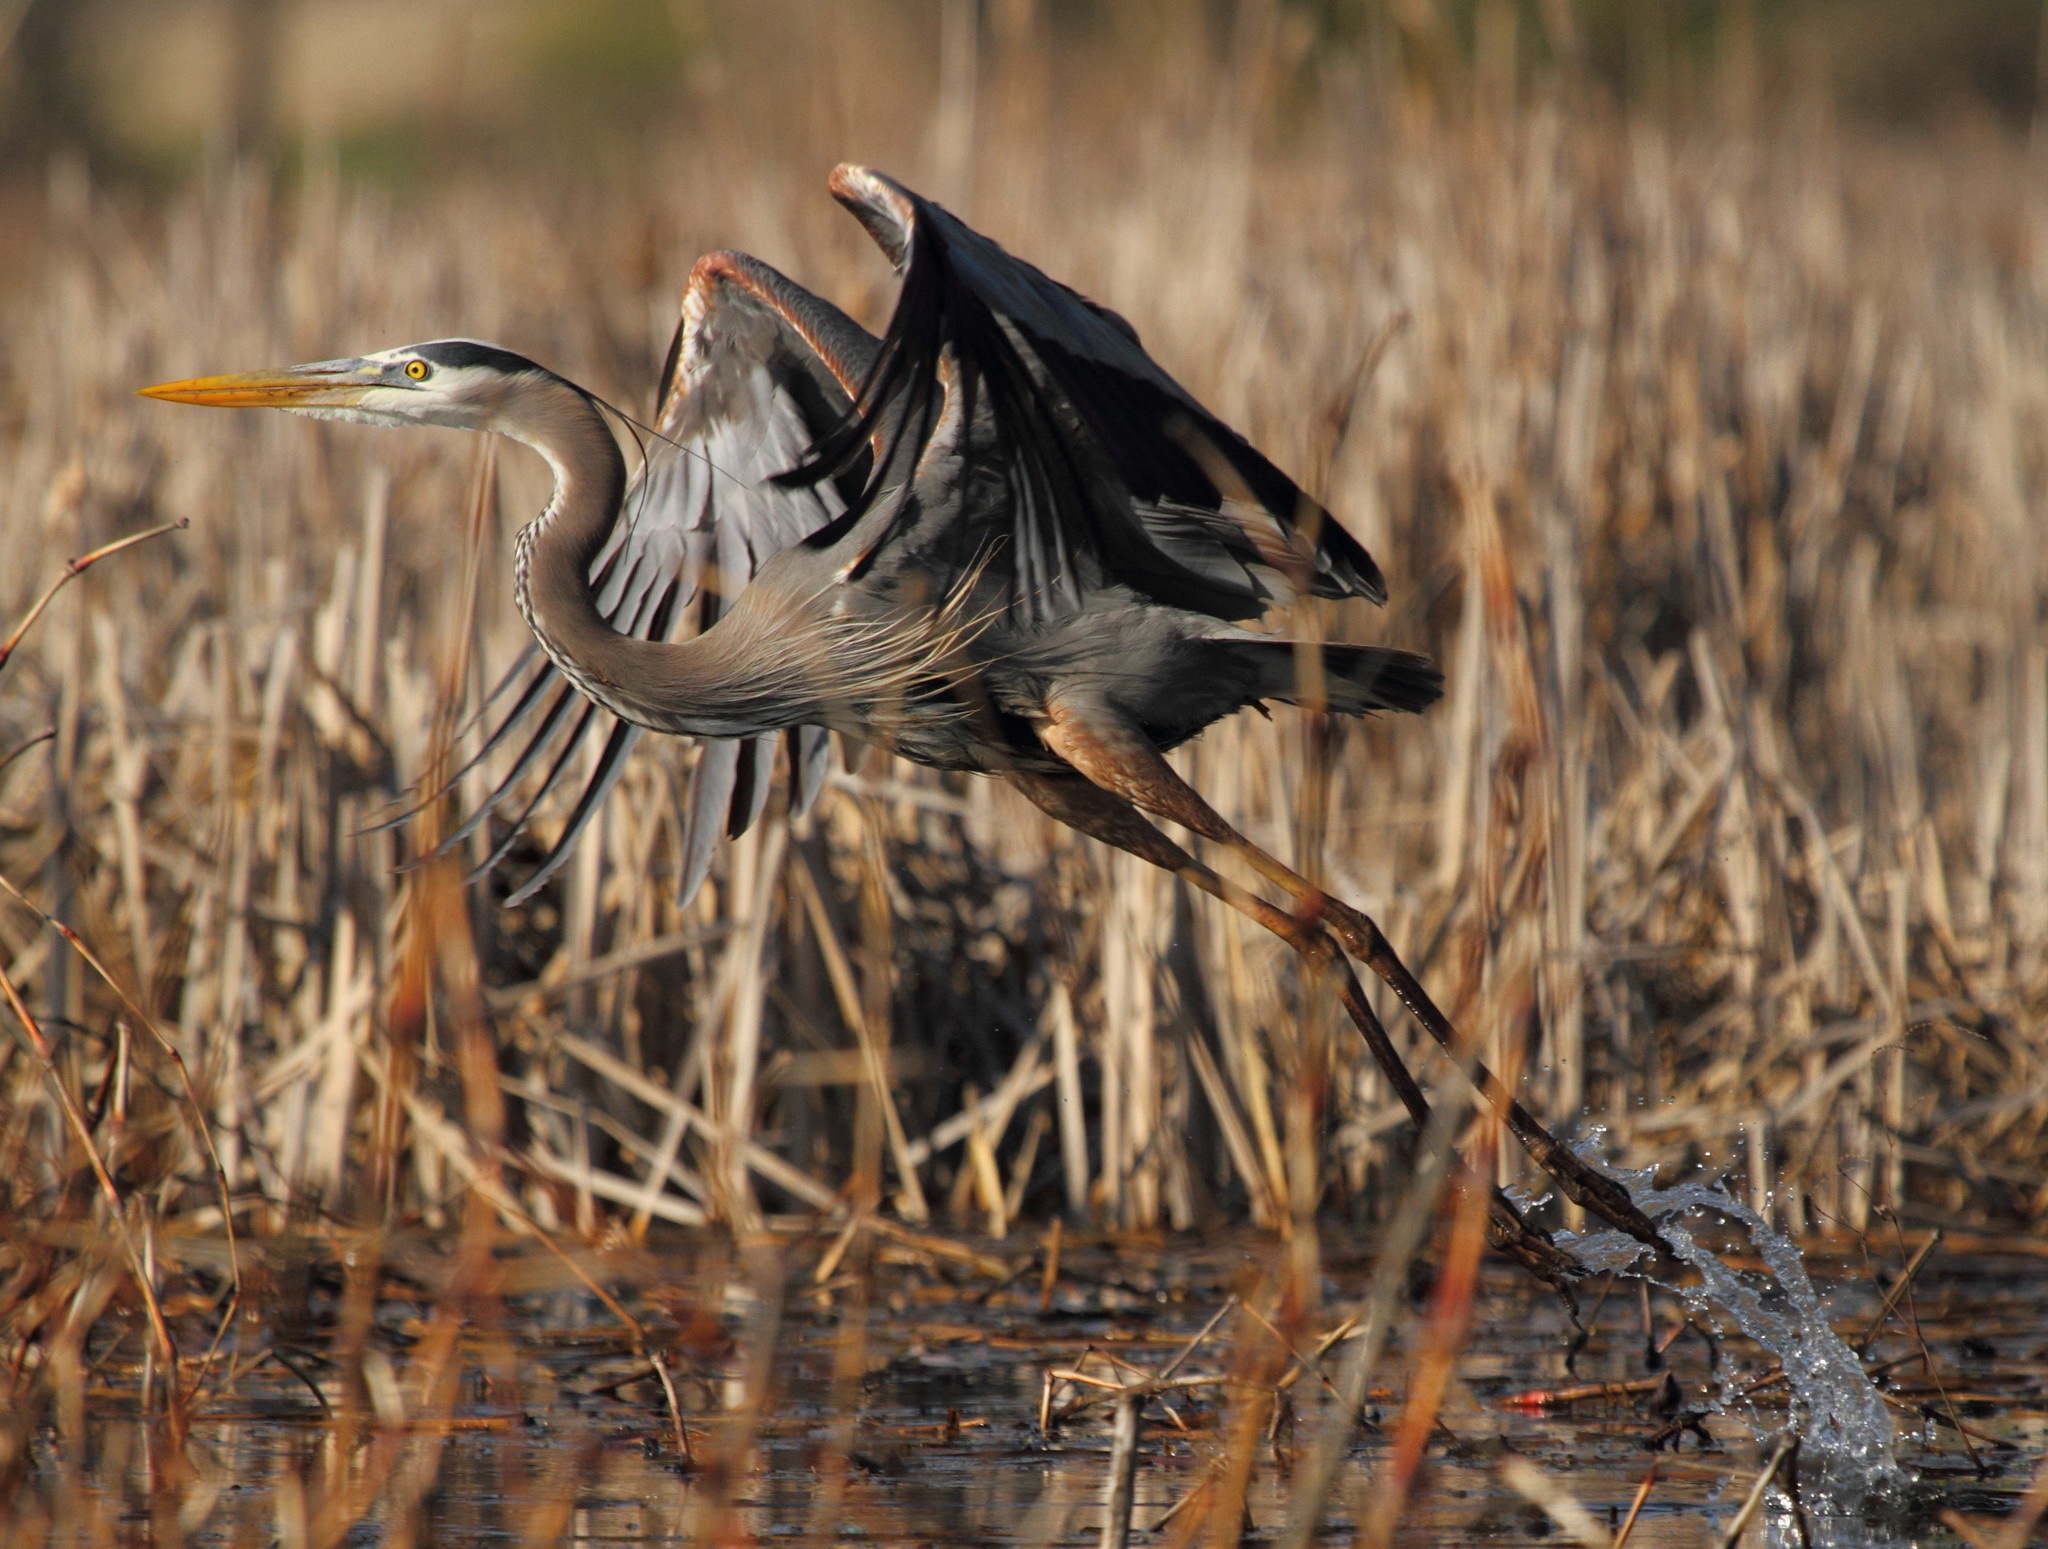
(458, 383)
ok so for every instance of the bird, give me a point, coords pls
(1000, 538)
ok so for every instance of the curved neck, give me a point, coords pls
(590, 486)
(552, 569)
(713, 685)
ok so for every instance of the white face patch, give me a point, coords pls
(457, 383)
(408, 386)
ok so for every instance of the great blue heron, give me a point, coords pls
(999, 538)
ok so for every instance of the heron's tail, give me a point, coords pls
(1355, 678)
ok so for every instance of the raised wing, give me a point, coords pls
(759, 370)
(1114, 469)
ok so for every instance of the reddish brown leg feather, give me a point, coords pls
(1103, 746)
(1105, 815)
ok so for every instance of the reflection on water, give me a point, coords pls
(557, 1429)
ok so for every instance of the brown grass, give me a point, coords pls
(1704, 457)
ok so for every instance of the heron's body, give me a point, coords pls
(999, 539)
(964, 695)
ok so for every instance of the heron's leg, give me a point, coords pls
(1102, 745)
(1102, 815)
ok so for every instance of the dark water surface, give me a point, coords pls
(549, 1427)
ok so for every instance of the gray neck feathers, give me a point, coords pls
(783, 655)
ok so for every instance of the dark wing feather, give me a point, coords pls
(1109, 460)
(611, 763)
(810, 755)
(758, 370)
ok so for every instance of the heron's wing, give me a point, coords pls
(759, 369)
(1109, 461)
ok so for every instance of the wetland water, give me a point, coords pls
(549, 1426)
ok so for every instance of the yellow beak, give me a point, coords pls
(331, 384)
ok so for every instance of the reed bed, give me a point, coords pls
(1702, 455)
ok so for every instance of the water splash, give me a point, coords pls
(1845, 1430)
(1846, 1464)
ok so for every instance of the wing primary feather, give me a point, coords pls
(711, 786)
(756, 771)
(663, 617)
(511, 675)
(908, 349)
(544, 734)
(504, 846)
(611, 764)
(1084, 421)
(657, 630)
(498, 734)
(810, 761)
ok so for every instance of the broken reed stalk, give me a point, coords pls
(1563, 1508)
(1374, 1317)
(1898, 1288)
(73, 569)
(1119, 1490)
(1782, 1457)
(195, 1112)
(1443, 1341)
(1049, 1280)
(41, 737)
(874, 1058)
(1552, 1398)
(1127, 1392)
(1301, 1363)
(1903, 1287)
(1635, 1507)
(116, 1207)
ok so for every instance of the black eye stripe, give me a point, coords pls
(455, 354)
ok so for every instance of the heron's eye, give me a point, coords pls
(417, 370)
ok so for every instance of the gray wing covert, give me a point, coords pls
(758, 371)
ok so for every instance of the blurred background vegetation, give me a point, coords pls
(154, 91)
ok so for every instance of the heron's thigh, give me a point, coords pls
(1100, 815)
(1103, 745)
